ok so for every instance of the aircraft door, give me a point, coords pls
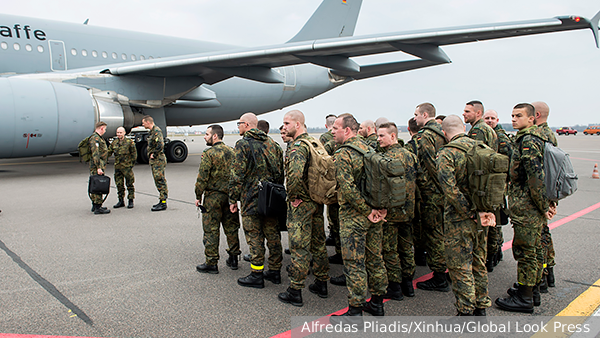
(58, 60)
(290, 78)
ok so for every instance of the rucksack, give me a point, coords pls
(487, 171)
(383, 185)
(85, 153)
(321, 174)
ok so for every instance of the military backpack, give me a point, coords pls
(321, 174)
(383, 185)
(85, 152)
(487, 171)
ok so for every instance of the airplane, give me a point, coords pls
(57, 79)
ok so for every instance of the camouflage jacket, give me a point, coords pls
(326, 137)
(371, 141)
(125, 153)
(330, 147)
(215, 169)
(349, 169)
(256, 158)
(504, 142)
(545, 130)
(452, 174)
(298, 155)
(409, 161)
(412, 145)
(98, 151)
(480, 131)
(156, 143)
(428, 145)
(527, 190)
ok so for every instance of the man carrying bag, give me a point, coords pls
(98, 159)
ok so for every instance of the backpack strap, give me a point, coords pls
(458, 146)
(355, 147)
(435, 131)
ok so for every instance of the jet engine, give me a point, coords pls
(44, 118)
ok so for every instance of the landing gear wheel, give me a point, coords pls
(176, 151)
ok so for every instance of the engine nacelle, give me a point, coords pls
(43, 118)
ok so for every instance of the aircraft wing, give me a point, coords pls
(336, 53)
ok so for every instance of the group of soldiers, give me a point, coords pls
(125, 153)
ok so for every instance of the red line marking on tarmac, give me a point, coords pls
(12, 335)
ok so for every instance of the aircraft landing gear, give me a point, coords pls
(176, 151)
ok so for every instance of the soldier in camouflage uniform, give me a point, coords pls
(360, 225)
(528, 207)
(158, 161)
(125, 157)
(397, 231)
(464, 238)
(257, 158)
(306, 228)
(542, 111)
(99, 157)
(368, 133)
(213, 182)
(429, 142)
(417, 233)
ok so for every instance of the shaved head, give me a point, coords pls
(491, 118)
(251, 119)
(452, 126)
(293, 124)
(541, 112)
(296, 116)
(381, 121)
(366, 128)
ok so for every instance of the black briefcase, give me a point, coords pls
(271, 199)
(99, 184)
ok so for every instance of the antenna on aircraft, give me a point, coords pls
(86, 21)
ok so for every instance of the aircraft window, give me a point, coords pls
(150, 58)
(94, 53)
(16, 46)
(73, 51)
(4, 45)
(124, 56)
(40, 48)
(104, 55)
(28, 47)
(132, 57)
(84, 52)
(114, 55)
(142, 57)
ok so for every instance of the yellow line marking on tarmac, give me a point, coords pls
(575, 313)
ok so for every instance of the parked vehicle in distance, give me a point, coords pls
(566, 131)
(591, 130)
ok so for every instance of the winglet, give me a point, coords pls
(333, 18)
(594, 24)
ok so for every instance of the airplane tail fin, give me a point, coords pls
(333, 18)
(594, 25)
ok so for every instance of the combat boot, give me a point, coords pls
(130, 204)
(489, 263)
(253, 280)
(394, 291)
(537, 297)
(436, 283)
(353, 317)
(407, 287)
(336, 259)
(100, 210)
(319, 288)
(206, 268)
(550, 276)
(479, 312)
(273, 276)
(522, 301)
(291, 296)
(543, 285)
(375, 306)
(339, 280)
(120, 204)
(232, 262)
(162, 205)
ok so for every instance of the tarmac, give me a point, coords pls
(132, 273)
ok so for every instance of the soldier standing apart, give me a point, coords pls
(158, 161)
(99, 157)
(429, 142)
(213, 182)
(360, 225)
(125, 157)
(417, 233)
(306, 228)
(367, 131)
(257, 158)
(528, 207)
(464, 238)
(397, 231)
(541, 117)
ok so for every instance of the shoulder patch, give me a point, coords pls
(297, 143)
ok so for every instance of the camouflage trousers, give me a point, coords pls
(125, 175)
(257, 228)
(417, 231)
(495, 240)
(306, 230)
(526, 249)
(548, 246)
(432, 224)
(96, 198)
(361, 251)
(397, 251)
(333, 218)
(158, 172)
(217, 212)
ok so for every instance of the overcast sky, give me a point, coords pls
(560, 68)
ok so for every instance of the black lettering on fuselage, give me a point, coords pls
(7, 32)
